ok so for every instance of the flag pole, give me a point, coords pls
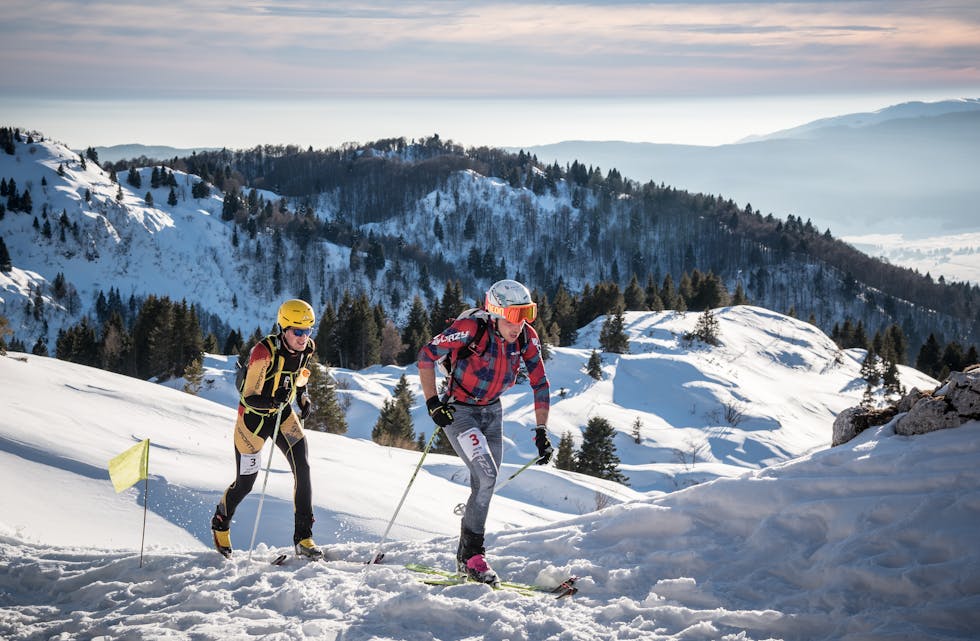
(146, 494)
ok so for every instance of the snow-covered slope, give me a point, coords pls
(183, 251)
(871, 540)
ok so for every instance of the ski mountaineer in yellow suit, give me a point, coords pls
(276, 376)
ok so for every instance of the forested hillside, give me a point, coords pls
(389, 239)
(430, 210)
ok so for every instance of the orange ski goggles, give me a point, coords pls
(515, 313)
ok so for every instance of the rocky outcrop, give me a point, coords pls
(953, 403)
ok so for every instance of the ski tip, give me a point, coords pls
(378, 558)
(279, 560)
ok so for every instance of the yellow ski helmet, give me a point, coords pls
(296, 313)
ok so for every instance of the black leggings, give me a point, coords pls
(302, 487)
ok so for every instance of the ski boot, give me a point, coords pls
(477, 569)
(307, 548)
(221, 531)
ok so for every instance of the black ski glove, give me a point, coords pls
(544, 445)
(305, 406)
(441, 413)
(281, 396)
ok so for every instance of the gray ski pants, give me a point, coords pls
(476, 434)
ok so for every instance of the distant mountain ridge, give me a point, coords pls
(911, 169)
(914, 109)
(133, 151)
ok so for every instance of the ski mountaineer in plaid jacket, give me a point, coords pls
(471, 415)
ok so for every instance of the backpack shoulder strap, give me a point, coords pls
(481, 329)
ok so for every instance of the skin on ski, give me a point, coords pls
(447, 577)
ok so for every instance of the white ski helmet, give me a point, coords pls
(510, 300)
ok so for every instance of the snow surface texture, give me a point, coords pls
(875, 539)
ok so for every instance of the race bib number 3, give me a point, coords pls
(250, 464)
(473, 443)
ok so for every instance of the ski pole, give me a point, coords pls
(375, 558)
(258, 513)
(461, 507)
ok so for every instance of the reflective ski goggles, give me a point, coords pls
(515, 313)
(301, 332)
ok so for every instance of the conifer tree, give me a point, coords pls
(597, 456)
(634, 296)
(565, 456)
(565, 315)
(594, 366)
(327, 415)
(394, 426)
(193, 376)
(653, 301)
(929, 358)
(6, 264)
(739, 297)
(326, 336)
(613, 337)
(706, 329)
(40, 348)
(417, 332)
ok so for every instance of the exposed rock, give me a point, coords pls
(950, 405)
(855, 420)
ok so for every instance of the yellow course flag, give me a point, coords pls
(130, 467)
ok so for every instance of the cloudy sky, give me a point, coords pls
(486, 50)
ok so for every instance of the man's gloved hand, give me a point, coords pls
(544, 445)
(305, 406)
(441, 413)
(281, 396)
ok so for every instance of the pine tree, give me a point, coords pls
(327, 415)
(172, 198)
(565, 315)
(597, 456)
(929, 358)
(193, 376)
(706, 329)
(594, 366)
(40, 348)
(133, 178)
(6, 264)
(634, 296)
(565, 456)
(417, 332)
(739, 297)
(612, 337)
(394, 426)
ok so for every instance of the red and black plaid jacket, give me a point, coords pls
(480, 379)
